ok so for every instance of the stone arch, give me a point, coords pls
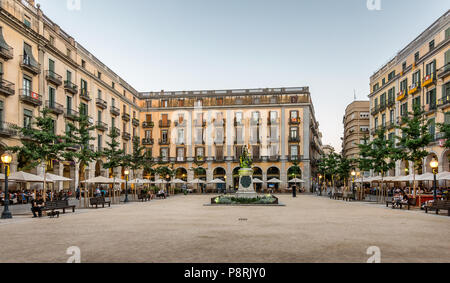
(235, 175)
(181, 173)
(290, 173)
(200, 174)
(273, 172)
(445, 161)
(428, 159)
(98, 168)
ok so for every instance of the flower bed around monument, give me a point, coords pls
(233, 200)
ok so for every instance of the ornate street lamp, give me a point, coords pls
(6, 159)
(434, 164)
(353, 185)
(126, 185)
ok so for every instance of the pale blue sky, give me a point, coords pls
(329, 45)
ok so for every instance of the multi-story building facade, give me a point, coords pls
(212, 127)
(419, 75)
(356, 127)
(41, 66)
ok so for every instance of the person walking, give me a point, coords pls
(294, 191)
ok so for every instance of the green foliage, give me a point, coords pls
(381, 153)
(136, 159)
(78, 138)
(40, 143)
(234, 200)
(114, 155)
(164, 171)
(415, 137)
(344, 167)
(364, 161)
(445, 129)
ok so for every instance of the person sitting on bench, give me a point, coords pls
(161, 194)
(36, 206)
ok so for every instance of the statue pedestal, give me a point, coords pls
(246, 189)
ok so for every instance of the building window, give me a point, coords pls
(52, 40)
(180, 154)
(27, 117)
(431, 68)
(294, 151)
(164, 103)
(27, 21)
(99, 142)
(431, 45)
(83, 64)
(404, 66)
(99, 75)
(416, 57)
(164, 153)
(200, 153)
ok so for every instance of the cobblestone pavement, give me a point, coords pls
(181, 229)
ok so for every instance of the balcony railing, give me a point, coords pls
(219, 122)
(84, 94)
(271, 121)
(199, 123)
(135, 122)
(148, 124)
(414, 88)
(238, 123)
(293, 158)
(126, 117)
(274, 158)
(375, 110)
(54, 107)
(7, 53)
(126, 136)
(430, 107)
(444, 71)
(114, 111)
(102, 126)
(117, 130)
(294, 121)
(101, 103)
(164, 142)
(7, 88)
(255, 122)
(148, 141)
(429, 80)
(402, 95)
(7, 129)
(53, 77)
(164, 124)
(70, 87)
(444, 101)
(391, 102)
(27, 96)
(180, 124)
(294, 139)
(383, 105)
(71, 114)
(30, 65)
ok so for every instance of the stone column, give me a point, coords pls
(306, 146)
(229, 176)
(61, 173)
(264, 186)
(190, 175)
(209, 175)
(283, 176)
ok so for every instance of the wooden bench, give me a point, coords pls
(58, 205)
(99, 201)
(338, 196)
(144, 197)
(438, 206)
(402, 203)
(348, 197)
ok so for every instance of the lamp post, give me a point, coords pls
(320, 185)
(6, 159)
(353, 184)
(434, 165)
(126, 185)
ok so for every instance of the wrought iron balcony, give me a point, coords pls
(71, 114)
(375, 110)
(114, 110)
(444, 101)
(255, 122)
(273, 122)
(414, 88)
(7, 88)
(53, 77)
(295, 158)
(135, 122)
(164, 141)
(84, 94)
(29, 65)
(199, 123)
(101, 103)
(148, 141)
(6, 53)
(294, 139)
(27, 96)
(7, 129)
(294, 121)
(70, 87)
(102, 126)
(117, 130)
(444, 71)
(126, 117)
(383, 105)
(54, 107)
(219, 123)
(239, 123)
(429, 80)
(148, 124)
(126, 136)
(165, 124)
(391, 102)
(274, 158)
(180, 124)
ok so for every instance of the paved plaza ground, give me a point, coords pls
(181, 229)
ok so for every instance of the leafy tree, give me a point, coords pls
(415, 137)
(114, 155)
(40, 144)
(136, 159)
(344, 168)
(322, 169)
(381, 155)
(332, 162)
(78, 138)
(364, 161)
(445, 130)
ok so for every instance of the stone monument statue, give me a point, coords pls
(246, 189)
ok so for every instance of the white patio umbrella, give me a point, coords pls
(274, 181)
(444, 176)
(425, 177)
(178, 181)
(98, 180)
(57, 178)
(197, 181)
(160, 181)
(23, 177)
(296, 181)
(217, 181)
(257, 181)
